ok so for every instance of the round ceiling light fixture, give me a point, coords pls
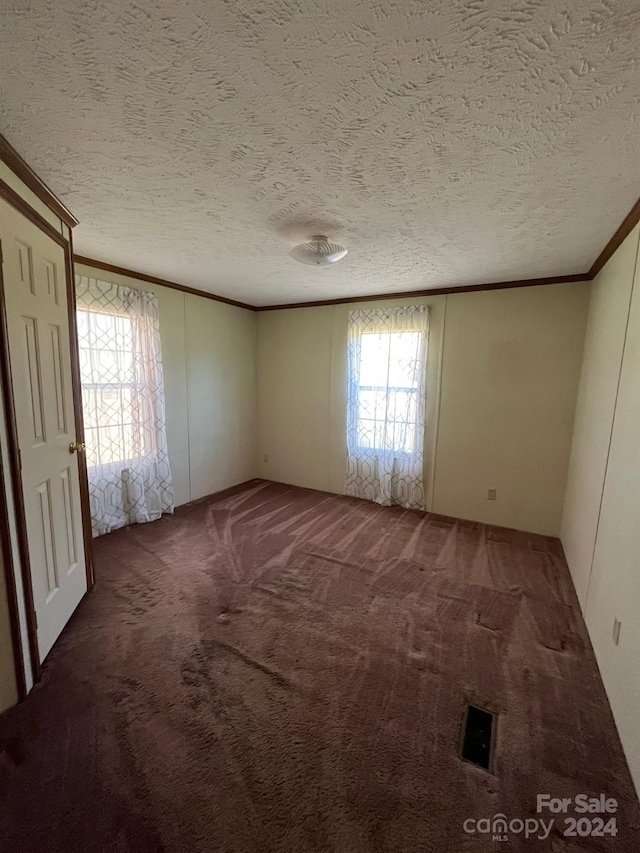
(318, 251)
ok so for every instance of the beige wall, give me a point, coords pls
(294, 396)
(302, 393)
(221, 380)
(600, 527)
(302, 387)
(602, 360)
(503, 369)
(208, 355)
(510, 375)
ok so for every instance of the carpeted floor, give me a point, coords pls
(286, 670)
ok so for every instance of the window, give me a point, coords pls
(106, 370)
(388, 391)
(123, 404)
(387, 355)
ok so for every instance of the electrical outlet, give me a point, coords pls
(491, 495)
(617, 624)
(266, 457)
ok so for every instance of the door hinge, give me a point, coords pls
(1, 255)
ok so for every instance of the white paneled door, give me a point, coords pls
(38, 327)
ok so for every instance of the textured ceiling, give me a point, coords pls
(444, 143)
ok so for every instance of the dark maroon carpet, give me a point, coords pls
(286, 670)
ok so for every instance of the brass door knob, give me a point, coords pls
(77, 447)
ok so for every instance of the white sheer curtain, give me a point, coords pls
(387, 359)
(123, 403)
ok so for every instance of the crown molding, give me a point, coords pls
(407, 294)
(152, 279)
(436, 291)
(626, 227)
(23, 170)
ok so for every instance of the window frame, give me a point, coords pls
(387, 390)
(129, 460)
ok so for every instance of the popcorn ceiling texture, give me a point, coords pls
(444, 143)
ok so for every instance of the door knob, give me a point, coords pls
(77, 446)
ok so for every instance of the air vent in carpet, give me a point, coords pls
(478, 732)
